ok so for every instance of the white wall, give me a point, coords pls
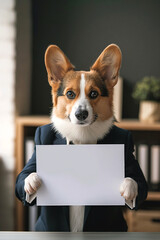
(7, 82)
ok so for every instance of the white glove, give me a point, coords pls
(31, 185)
(129, 190)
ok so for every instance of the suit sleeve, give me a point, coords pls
(28, 169)
(133, 170)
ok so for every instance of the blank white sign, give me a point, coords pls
(80, 174)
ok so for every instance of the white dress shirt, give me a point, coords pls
(76, 214)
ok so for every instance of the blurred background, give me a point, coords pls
(82, 29)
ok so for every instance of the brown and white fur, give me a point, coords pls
(82, 104)
(86, 115)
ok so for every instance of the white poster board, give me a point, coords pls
(80, 174)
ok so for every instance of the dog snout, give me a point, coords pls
(81, 115)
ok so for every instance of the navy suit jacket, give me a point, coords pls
(96, 218)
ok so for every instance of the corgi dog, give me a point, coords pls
(82, 109)
(83, 100)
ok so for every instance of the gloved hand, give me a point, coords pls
(129, 189)
(32, 183)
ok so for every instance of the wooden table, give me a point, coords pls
(77, 236)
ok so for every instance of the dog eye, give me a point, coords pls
(93, 94)
(70, 95)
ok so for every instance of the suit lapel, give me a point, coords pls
(66, 213)
(58, 140)
(87, 209)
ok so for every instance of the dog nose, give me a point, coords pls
(81, 115)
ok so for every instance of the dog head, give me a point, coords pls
(82, 101)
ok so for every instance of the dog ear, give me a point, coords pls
(108, 64)
(57, 64)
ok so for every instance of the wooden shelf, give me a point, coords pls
(153, 196)
(33, 120)
(140, 126)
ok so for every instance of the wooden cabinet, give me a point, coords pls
(142, 133)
